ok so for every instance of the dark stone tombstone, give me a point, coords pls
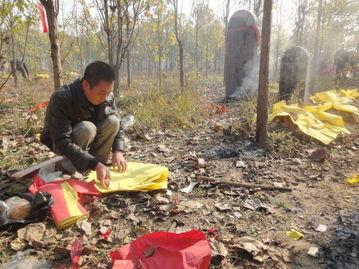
(293, 70)
(241, 57)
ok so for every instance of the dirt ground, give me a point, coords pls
(231, 216)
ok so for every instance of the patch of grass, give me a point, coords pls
(165, 108)
(281, 141)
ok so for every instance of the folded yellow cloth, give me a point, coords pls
(137, 177)
(315, 120)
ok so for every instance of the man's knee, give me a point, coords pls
(112, 124)
(84, 131)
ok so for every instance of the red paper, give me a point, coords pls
(106, 234)
(189, 250)
(43, 18)
(76, 250)
(38, 106)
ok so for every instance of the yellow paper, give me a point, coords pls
(315, 120)
(294, 234)
(71, 205)
(138, 177)
(354, 180)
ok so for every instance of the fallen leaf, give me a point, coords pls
(218, 251)
(321, 228)
(257, 205)
(86, 227)
(32, 233)
(241, 164)
(222, 207)
(190, 187)
(134, 219)
(161, 200)
(313, 251)
(162, 148)
(18, 244)
(252, 246)
(201, 163)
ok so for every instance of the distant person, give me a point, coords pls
(19, 66)
(82, 125)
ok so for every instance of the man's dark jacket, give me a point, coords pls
(67, 107)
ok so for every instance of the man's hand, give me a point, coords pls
(103, 174)
(119, 161)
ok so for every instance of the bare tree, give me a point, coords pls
(262, 100)
(314, 66)
(279, 29)
(301, 15)
(257, 4)
(52, 11)
(119, 19)
(180, 44)
(13, 52)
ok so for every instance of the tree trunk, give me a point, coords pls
(196, 38)
(257, 7)
(128, 53)
(309, 89)
(275, 75)
(207, 58)
(128, 69)
(51, 14)
(13, 54)
(180, 44)
(159, 52)
(262, 100)
(225, 38)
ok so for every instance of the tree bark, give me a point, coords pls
(207, 58)
(128, 53)
(275, 76)
(159, 51)
(51, 14)
(13, 54)
(262, 100)
(312, 75)
(225, 38)
(180, 45)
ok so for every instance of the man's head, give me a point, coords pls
(97, 82)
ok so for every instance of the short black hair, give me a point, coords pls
(98, 71)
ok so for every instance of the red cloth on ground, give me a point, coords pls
(189, 250)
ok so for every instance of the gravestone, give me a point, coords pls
(241, 56)
(293, 70)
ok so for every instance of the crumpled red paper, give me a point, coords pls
(76, 250)
(189, 250)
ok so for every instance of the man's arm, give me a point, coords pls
(61, 131)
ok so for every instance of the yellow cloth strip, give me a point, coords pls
(72, 204)
(138, 177)
(315, 120)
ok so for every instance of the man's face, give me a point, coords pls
(97, 94)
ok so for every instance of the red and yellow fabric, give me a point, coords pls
(68, 194)
(66, 209)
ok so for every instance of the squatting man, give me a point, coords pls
(81, 124)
